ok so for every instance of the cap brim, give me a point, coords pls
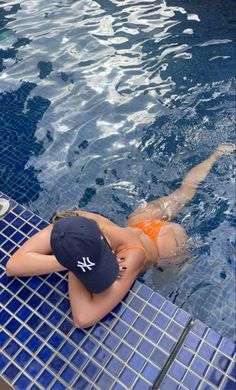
(104, 274)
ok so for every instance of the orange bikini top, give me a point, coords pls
(151, 228)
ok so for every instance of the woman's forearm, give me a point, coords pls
(80, 301)
(32, 263)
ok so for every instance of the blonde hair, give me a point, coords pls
(63, 214)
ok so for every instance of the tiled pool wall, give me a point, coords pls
(146, 342)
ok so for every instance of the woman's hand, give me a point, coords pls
(122, 266)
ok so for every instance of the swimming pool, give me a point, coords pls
(112, 102)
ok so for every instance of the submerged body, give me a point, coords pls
(149, 238)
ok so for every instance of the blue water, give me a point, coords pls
(106, 103)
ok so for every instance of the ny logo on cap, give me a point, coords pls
(86, 264)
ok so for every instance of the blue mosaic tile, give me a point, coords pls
(161, 321)
(232, 370)
(206, 351)
(34, 343)
(23, 334)
(185, 356)
(17, 223)
(221, 362)
(81, 383)
(8, 231)
(114, 366)
(104, 381)
(11, 348)
(145, 292)
(228, 384)
(17, 237)
(192, 342)
(34, 282)
(109, 320)
(132, 338)
(4, 316)
(101, 355)
(212, 338)
(145, 348)
(9, 217)
(77, 335)
(11, 372)
(136, 362)
(169, 384)
(127, 377)
(67, 349)
(15, 286)
(58, 385)
(174, 330)
(3, 361)
(228, 347)
(199, 366)
(150, 372)
(148, 312)
(55, 317)
(123, 351)
(177, 371)
(166, 343)
(153, 333)
(33, 368)
(3, 338)
(191, 381)
(22, 358)
(159, 357)
(111, 341)
(13, 325)
(45, 330)
(156, 300)
(45, 379)
(120, 328)
(182, 317)
(45, 353)
(89, 345)
(22, 382)
(91, 370)
(44, 290)
(56, 364)
(214, 376)
(68, 374)
(79, 359)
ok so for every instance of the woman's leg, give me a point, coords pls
(167, 206)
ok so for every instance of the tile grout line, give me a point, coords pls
(172, 356)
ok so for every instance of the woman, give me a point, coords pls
(103, 258)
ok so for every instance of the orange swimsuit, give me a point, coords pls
(151, 228)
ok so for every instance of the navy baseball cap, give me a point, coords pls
(79, 246)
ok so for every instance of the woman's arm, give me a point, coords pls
(88, 308)
(34, 257)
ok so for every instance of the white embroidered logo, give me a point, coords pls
(86, 264)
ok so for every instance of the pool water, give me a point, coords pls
(106, 103)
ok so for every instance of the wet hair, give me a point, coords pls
(59, 214)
